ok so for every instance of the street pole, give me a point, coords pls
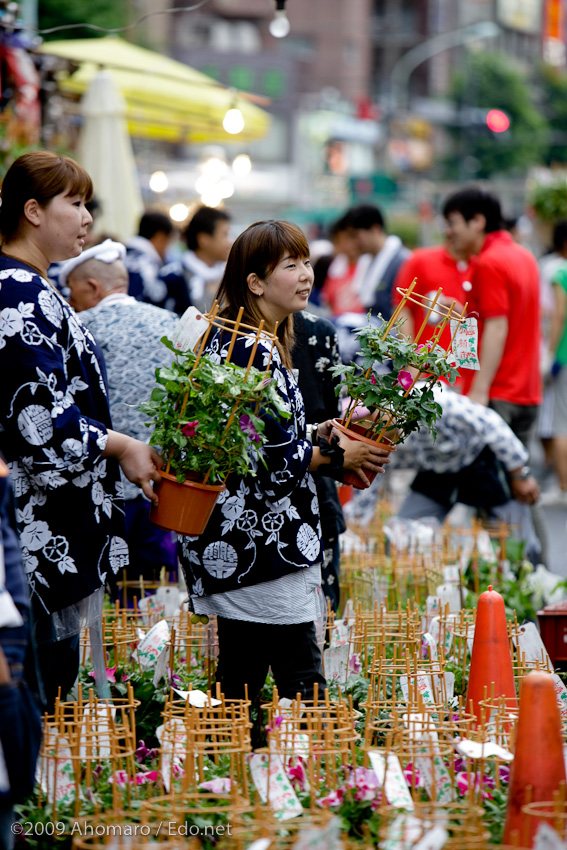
(406, 65)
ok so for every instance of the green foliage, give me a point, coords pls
(383, 392)
(553, 84)
(103, 13)
(495, 813)
(490, 81)
(206, 433)
(550, 201)
(516, 589)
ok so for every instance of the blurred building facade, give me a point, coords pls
(337, 133)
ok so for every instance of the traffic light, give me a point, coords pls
(497, 121)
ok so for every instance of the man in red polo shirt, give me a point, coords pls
(434, 268)
(505, 294)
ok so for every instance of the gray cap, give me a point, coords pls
(106, 252)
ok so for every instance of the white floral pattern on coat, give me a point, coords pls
(264, 526)
(53, 429)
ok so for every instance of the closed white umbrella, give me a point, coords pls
(105, 150)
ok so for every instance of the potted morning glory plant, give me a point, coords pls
(393, 385)
(206, 424)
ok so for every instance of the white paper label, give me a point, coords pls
(198, 698)
(152, 644)
(391, 778)
(533, 647)
(269, 776)
(451, 595)
(560, 693)
(477, 750)
(547, 839)
(465, 343)
(189, 330)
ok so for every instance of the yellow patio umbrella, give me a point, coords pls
(165, 99)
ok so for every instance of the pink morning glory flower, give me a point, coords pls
(247, 426)
(355, 665)
(189, 429)
(405, 380)
(373, 379)
(333, 798)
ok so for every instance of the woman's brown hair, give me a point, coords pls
(40, 175)
(258, 250)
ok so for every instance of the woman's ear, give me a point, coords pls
(32, 212)
(254, 284)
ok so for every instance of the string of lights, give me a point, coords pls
(115, 30)
(279, 25)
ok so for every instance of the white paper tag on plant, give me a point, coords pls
(340, 633)
(404, 832)
(151, 609)
(170, 597)
(477, 750)
(189, 329)
(449, 685)
(465, 343)
(96, 731)
(422, 683)
(451, 574)
(286, 741)
(260, 844)
(429, 646)
(391, 778)
(560, 693)
(432, 606)
(151, 645)
(160, 670)
(55, 768)
(172, 737)
(546, 838)
(320, 838)
(336, 663)
(431, 766)
(434, 840)
(268, 774)
(532, 646)
(451, 595)
(197, 698)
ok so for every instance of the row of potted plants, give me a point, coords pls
(207, 421)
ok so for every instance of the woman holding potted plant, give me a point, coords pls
(55, 423)
(257, 565)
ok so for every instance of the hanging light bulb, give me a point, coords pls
(279, 25)
(233, 121)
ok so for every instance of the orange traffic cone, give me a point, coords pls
(491, 660)
(538, 758)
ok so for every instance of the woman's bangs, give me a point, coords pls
(78, 181)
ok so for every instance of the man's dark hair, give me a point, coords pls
(560, 235)
(153, 222)
(472, 201)
(204, 221)
(339, 226)
(364, 217)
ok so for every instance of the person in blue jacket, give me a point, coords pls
(55, 428)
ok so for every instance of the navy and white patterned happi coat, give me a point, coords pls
(53, 428)
(266, 526)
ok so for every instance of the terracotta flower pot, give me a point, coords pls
(185, 508)
(356, 432)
